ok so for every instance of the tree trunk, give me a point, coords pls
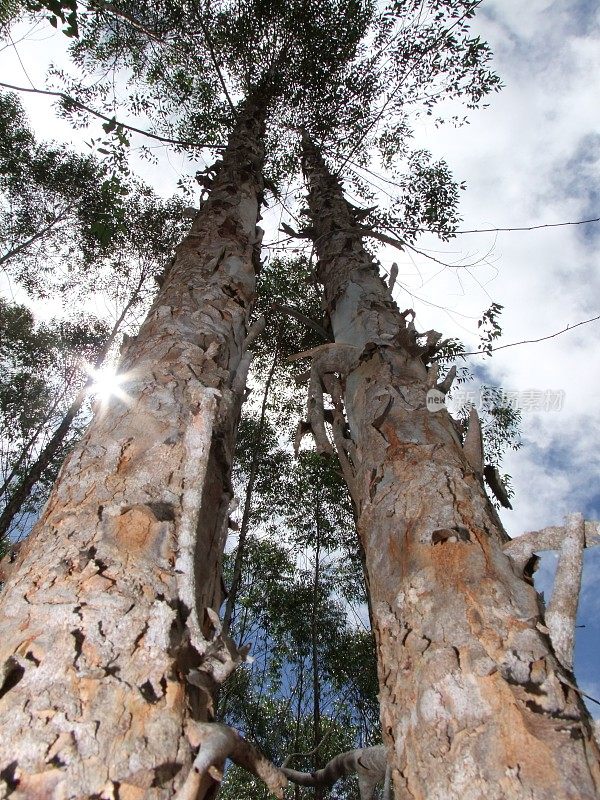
(299, 716)
(473, 701)
(314, 634)
(245, 524)
(104, 619)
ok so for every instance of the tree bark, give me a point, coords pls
(473, 702)
(105, 651)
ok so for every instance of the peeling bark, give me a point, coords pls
(105, 639)
(522, 547)
(473, 699)
(216, 744)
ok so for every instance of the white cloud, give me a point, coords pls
(531, 158)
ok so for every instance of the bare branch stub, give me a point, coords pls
(327, 362)
(217, 743)
(523, 547)
(473, 444)
(368, 763)
(570, 540)
(315, 412)
(562, 609)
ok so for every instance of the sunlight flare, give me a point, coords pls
(106, 383)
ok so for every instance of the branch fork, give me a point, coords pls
(570, 540)
(217, 743)
(328, 361)
(368, 763)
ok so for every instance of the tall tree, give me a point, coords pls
(129, 545)
(54, 204)
(311, 663)
(149, 472)
(460, 636)
(39, 372)
(288, 300)
(147, 487)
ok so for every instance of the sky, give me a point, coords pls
(531, 158)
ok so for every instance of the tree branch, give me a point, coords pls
(528, 228)
(523, 547)
(293, 312)
(217, 743)
(369, 763)
(316, 413)
(562, 610)
(561, 613)
(215, 61)
(67, 100)
(38, 235)
(533, 341)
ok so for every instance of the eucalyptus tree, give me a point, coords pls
(150, 471)
(288, 300)
(149, 474)
(311, 688)
(117, 582)
(472, 692)
(53, 203)
(71, 230)
(125, 271)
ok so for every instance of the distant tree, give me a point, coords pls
(311, 689)
(40, 370)
(52, 202)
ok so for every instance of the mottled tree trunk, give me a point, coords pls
(473, 703)
(105, 616)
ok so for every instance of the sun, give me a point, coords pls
(106, 383)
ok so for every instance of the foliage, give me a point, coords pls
(63, 11)
(285, 286)
(428, 201)
(349, 71)
(301, 550)
(67, 239)
(500, 420)
(52, 200)
(40, 370)
(490, 329)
